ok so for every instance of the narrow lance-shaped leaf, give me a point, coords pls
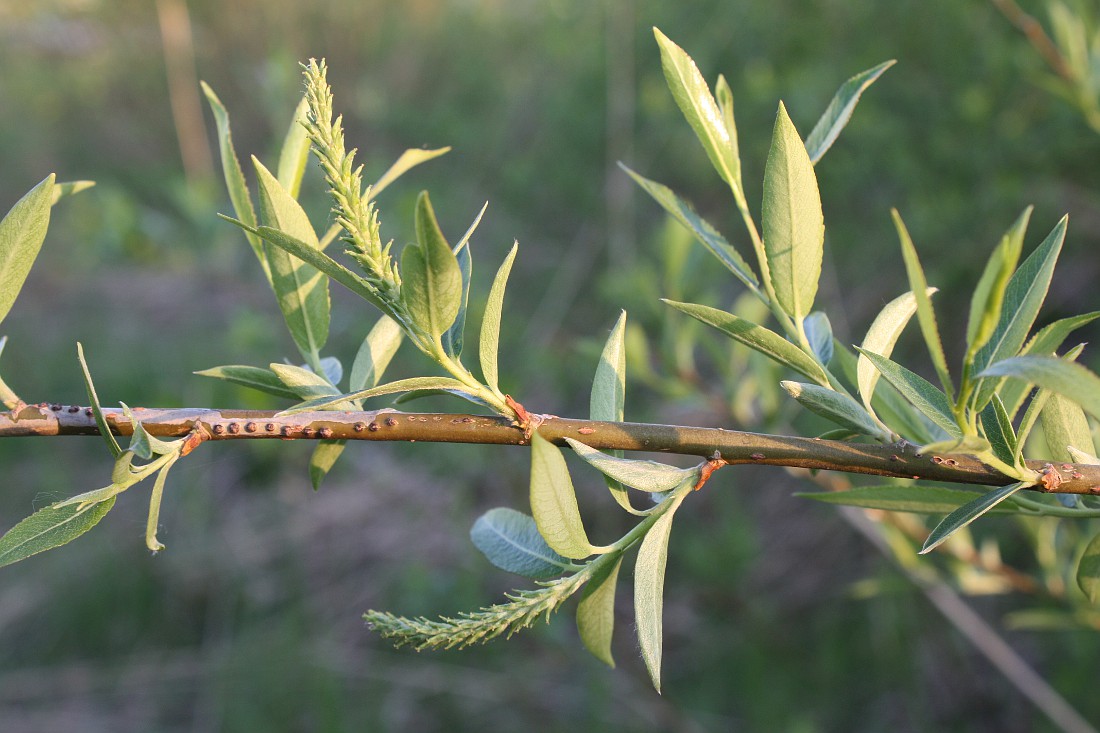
(97, 411)
(142, 444)
(453, 338)
(596, 611)
(839, 111)
(819, 332)
(706, 234)
(322, 460)
(303, 382)
(648, 476)
(234, 176)
(835, 406)
(152, 522)
(301, 290)
(757, 337)
(400, 385)
(554, 503)
(1043, 343)
(967, 513)
(22, 232)
(432, 289)
(263, 380)
(61, 189)
(375, 353)
(881, 338)
(49, 528)
(511, 541)
(988, 298)
(793, 225)
(408, 160)
(649, 589)
(724, 96)
(694, 99)
(490, 322)
(921, 393)
(1067, 378)
(926, 316)
(294, 154)
(915, 498)
(998, 429)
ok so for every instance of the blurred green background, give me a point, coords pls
(250, 620)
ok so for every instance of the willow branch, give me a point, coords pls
(901, 460)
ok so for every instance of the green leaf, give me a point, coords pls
(417, 394)
(887, 402)
(301, 290)
(303, 382)
(724, 96)
(432, 288)
(819, 332)
(554, 503)
(988, 298)
(921, 393)
(707, 235)
(1044, 343)
(93, 398)
(409, 159)
(142, 444)
(649, 589)
(294, 154)
(901, 498)
(1024, 296)
(511, 541)
(490, 322)
(1088, 571)
(596, 611)
(880, 339)
(967, 513)
(926, 316)
(835, 406)
(252, 377)
(1067, 378)
(22, 232)
(49, 528)
(998, 430)
(1064, 424)
(757, 337)
(375, 353)
(401, 385)
(794, 227)
(152, 522)
(234, 177)
(840, 109)
(69, 188)
(694, 99)
(323, 459)
(332, 370)
(648, 476)
(453, 338)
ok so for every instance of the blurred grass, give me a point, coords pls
(250, 620)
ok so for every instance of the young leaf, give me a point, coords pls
(409, 159)
(322, 460)
(998, 430)
(1067, 378)
(433, 280)
(93, 399)
(926, 316)
(648, 476)
(1023, 297)
(880, 339)
(511, 541)
(294, 154)
(554, 503)
(332, 369)
(490, 321)
(401, 385)
(649, 589)
(417, 394)
(152, 522)
(234, 177)
(840, 109)
(967, 513)
(794, 227)
(694, 99)
(375, 353)
(142, 444)
(724, 96)
(921, 393)
(915, 498)
(819, 332)
(596, 611)
(707, 235)
(757, 337)
(301, 290)
(988, 298)
(303, 382)
(453, 337)
(49, 528)
(252, 377)
(835, 406)
(1043, 343)
(1088, 571)
(22, 232)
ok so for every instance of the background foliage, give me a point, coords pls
(779, 616)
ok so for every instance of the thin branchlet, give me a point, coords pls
(354, 211)
(525, 607)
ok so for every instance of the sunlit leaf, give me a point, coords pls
(453, 338)
(839, 111)
(1067, 378)
(1064, 424)
(915, 498)
(375, 353)
(256, 378)
(921, 393)
(490, 322)
(294, 154)
(596, 611)
(554, 502)
(322, 460)
(409, 159)
(432, 289)
(793, 225)
(880, 339)
(649, 590)
(988, 297)
(648, 476)
(1044, 343)
(835, 406)
(511, 541)
(68, 188)
(22, 231)
(303, 382)
(967, 513)
(49, 528)
(400, 385)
